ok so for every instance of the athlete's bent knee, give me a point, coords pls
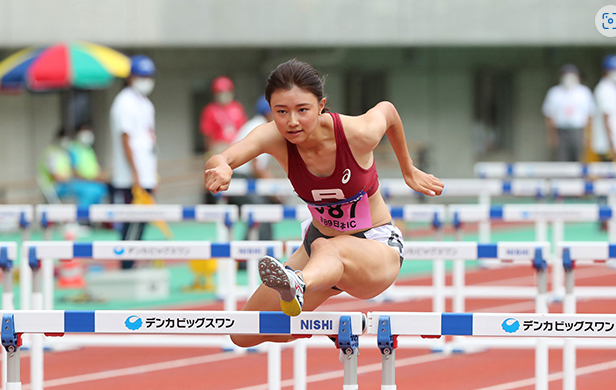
(321, 244)
(244, 341)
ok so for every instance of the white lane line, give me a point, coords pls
(554, 377)
(360, 370)
(136, 370)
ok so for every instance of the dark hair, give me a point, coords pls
(294, 73)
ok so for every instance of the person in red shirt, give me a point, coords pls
(221, 119)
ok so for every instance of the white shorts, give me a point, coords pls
(387, 234)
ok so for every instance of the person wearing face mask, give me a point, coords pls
(604, 125)
(135, 164)
(568, 109)
(221, 119)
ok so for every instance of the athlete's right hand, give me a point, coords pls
(218, 178)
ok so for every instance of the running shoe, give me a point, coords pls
(286, 281)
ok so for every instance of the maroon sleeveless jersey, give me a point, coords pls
(348, 180)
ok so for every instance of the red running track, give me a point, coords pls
(207, 368)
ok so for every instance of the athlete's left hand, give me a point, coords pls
(423, 182)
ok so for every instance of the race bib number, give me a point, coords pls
(346, 215)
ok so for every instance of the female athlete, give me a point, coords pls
(349, 244)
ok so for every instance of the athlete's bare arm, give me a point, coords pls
(366, 131)
(263, 139)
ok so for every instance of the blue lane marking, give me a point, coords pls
(188, 212)
(486, 250)
(83, 213)
(251, 186)
(457, 324)
(220, 249)
(79, 321)
(82, 249)
(605, 213)
(496, 212)
(274, 322)
(612, 251)
(288, 212)
(397, 212)
(507, 187)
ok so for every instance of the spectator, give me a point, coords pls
(257, 168)
(55, 172)
(605, 120)
(568, 108)
(134, 141)
(221, 119)
(83, 159)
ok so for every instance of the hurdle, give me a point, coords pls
(544, 170)
(222, 215)
(38, 251)
(346, 326)
(572, 253)
(8, 254)
(541, 215)
(388, 326)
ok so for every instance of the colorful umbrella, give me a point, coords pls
(65, 65)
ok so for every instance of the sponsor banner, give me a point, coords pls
(472, 187)
(470, 213)
(585, 250)
(38, 321)
(323, 323)
(135, 213)
(546, 169)
(428, 324)
(13, 212)
(521, 250)
(544, 325)
(57, 212)
(50, 250)
(216, 213)
(267, 187)
(605, 186)
(415, 250)
(423, 213)
(178, 322)
(255, 249)
(135, 250)
(520, 213)
(529, 187)
(263, 213)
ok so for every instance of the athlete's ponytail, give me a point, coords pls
(294, 73)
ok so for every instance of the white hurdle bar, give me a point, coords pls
(346, 326)
(484, 189)
(541, 215)
(224, 216)
(38, 251)
(8, 254)
(572, 253)
(502, 170)
(388, 325)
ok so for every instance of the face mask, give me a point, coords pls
(569, 80)
(224, 97)
(86, 137)
(143, 85)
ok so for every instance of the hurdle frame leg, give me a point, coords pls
(7, 304)
(11, 342)
(349, 346)
(300, 352)
(387, 343)
(569, 350)
(541, 306)
(36, 354)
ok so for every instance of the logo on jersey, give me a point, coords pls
(329, 194)
(346, 176)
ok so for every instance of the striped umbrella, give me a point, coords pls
(65, 65)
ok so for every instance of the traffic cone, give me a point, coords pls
(71, 274)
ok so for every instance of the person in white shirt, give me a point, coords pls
(134, 141)
(568, 109)
(604, 125)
